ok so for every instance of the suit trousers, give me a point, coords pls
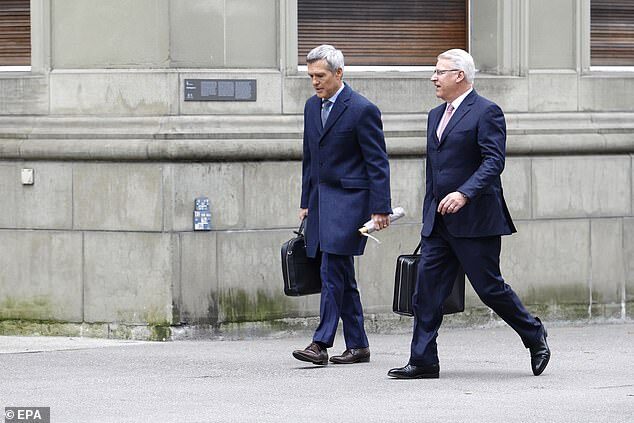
(340, 299)
(480, 258)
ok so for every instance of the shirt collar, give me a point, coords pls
(460, 99)
(334, 97)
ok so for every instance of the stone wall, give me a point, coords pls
(102, 243)
(104, 238)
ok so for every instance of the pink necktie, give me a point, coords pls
(444, 121)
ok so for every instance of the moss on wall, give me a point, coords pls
(237, 305)
(35, 308)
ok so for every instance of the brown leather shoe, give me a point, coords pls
(352, 355)
(313, 354)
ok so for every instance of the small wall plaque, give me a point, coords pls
(220, 90)
(202, 214)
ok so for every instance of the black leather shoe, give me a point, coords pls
(540, 354)
(416, 372)
(313, 354)
(352, 355)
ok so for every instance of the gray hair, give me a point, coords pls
(332, 56)
(460, 60)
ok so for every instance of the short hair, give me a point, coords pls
(460, 60)
(332, 56)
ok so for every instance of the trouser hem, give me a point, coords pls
(422, 363)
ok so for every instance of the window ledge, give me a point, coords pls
(15, 69)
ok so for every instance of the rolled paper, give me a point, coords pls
(368, 227)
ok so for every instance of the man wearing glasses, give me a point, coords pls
(464, 217)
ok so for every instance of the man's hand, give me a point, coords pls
(381, 221)
(452, 203)
(303, 213)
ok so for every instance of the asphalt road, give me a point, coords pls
(485, 377)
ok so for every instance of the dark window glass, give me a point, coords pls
(612, 32)
(382, 32)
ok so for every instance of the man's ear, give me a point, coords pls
(461, 76)
(339, 73)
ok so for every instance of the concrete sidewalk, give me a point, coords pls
(485, 377)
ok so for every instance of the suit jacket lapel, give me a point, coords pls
(436, 116)
(463, 109)
(315, 114)
(338, 108)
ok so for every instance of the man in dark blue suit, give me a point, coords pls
(345, 182)
(464, 217)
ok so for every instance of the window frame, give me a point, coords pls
(289, 37)
(40, 43)
(15, 67)
(585, 47)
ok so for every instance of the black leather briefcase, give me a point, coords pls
(405, 282)
(300, 273)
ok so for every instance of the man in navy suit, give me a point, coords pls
(345, 182)
(464, 217)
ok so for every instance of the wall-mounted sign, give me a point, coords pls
(220, 90)
(202, 214)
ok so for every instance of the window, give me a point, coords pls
(383, 32)
(15, 33)
(612, 33)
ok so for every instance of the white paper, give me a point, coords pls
(368, 227)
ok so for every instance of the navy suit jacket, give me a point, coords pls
(468, 158)
(345, 173)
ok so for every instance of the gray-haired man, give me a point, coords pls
(464, 217)
(345, 182)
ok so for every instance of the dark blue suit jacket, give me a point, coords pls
(468, 158)
(345, 173)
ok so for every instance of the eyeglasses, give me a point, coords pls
(441, 72)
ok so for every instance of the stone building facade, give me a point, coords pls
(103, 241)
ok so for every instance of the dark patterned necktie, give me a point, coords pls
(325, 111)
